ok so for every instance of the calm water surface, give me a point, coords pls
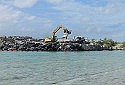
(62, 68)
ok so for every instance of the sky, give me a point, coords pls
(94, 19)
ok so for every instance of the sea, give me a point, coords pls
(62, 68)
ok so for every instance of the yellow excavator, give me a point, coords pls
(53, 38)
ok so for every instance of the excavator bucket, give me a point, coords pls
(67, 31)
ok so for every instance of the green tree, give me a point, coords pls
(107, 42)
(123, 45)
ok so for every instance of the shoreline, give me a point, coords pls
(63, 51)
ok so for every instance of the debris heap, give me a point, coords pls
(19, 43)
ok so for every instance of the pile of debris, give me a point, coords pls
(17, 43)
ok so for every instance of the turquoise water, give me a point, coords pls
(62, 68)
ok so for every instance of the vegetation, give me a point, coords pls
(107, 42)
(123, 45)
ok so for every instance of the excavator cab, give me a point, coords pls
(47, 40)
(50, 39)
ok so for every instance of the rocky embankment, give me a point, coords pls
(29, 44)
(51, 47)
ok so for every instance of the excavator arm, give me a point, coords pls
(56, 30)
(52, 39)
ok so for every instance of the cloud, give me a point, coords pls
(9, 14)
(92, 19)
(16, 22)
(83, 18)
(24, 3)
(20, 3)
(55, 1)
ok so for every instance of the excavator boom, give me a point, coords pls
(56, 30)
(66, 31)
